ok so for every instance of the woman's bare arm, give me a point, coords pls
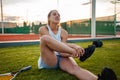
(43, 30)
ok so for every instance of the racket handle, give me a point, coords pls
(26, 68)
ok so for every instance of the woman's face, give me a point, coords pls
(54, 17)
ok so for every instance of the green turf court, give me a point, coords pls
(14, 58)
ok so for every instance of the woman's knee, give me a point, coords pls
(45, 38)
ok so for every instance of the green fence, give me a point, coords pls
(102, 27)
(105, 27)
(22, 30)
(118, 28)
(17, 30)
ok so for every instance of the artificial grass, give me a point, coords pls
(14, 58)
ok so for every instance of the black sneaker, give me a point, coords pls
(107, 74)
(88, 52)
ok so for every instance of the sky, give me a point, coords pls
(37, 10)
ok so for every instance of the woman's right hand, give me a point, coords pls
(78, 51)
(75, 54)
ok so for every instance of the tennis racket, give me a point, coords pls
(12, 75)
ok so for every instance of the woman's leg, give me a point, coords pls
(48, 46)
(49, 42)
(70, 66)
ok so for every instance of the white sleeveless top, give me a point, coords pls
(55, 36)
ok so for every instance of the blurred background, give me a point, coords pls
(26, 16)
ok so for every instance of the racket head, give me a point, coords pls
(6, 76)
(12, 75)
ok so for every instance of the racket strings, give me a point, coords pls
(6, 77)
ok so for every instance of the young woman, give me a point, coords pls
(56, 53)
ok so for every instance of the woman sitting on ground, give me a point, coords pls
(56, 53)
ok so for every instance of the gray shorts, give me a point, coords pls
(42, 64)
